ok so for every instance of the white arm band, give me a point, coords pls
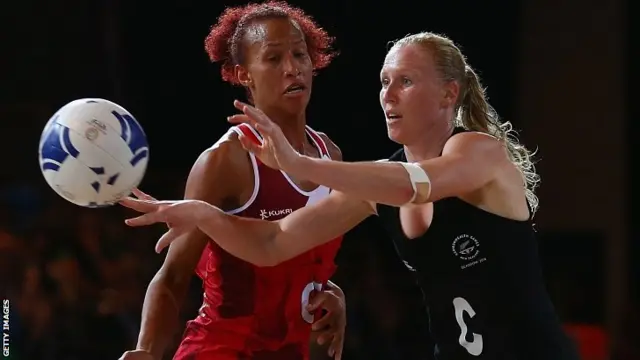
(419, 182)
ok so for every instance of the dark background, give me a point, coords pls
(556, 69)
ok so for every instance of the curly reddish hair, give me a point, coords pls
(223, 44)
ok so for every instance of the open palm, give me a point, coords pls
(275, 150)
(180, 216)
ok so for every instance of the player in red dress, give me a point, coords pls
(251, 312)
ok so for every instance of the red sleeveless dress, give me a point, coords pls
(251, 312)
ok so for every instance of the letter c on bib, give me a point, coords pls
(306, 294)
(462, 306)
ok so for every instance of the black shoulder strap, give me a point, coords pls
(398, 156)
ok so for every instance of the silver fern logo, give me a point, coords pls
(465, 247)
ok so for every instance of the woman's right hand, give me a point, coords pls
(275, 150)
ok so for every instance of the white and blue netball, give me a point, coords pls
(93, 152)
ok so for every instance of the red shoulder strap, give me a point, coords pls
(248, 131)
(318, 139)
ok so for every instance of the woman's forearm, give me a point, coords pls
(268, 243)
(249, 239)
(380, 182)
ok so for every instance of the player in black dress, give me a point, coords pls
(457, 201)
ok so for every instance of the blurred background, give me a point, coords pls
(76, 277)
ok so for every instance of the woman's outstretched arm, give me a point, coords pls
(267, 243)
(263, 243)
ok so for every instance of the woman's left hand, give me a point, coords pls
(181, 215)
(330, 329)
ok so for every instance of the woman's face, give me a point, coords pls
(412, 95)
(278, 70)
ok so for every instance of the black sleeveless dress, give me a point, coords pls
(482, 282)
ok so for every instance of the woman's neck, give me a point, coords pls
(293, 127)
(430, 145)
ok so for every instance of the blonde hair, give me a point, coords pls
(472, 110)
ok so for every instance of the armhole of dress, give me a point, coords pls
(256, 181)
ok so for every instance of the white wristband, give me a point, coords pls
(420, 181)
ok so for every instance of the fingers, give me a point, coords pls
(240, 105)
(326, 299)
(318, 300)
(142, 196)
(325, 337)
(136, 355)
(167, 238)
(326, 321)
(249, 110)
(249, 145)
(139, 205)
(241, 119)
(263, 127)
(329, 301)
(146, 219)
(252, 116)
(331, 324)
(335, 335)
(335, 349)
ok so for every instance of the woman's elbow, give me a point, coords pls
(269, 258)
(271, 253)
